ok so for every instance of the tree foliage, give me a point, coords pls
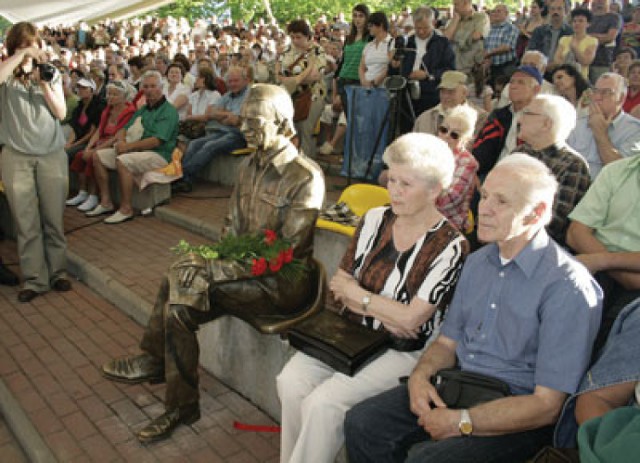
(286, 10)
(190, 9)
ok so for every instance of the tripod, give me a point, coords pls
(400, 107)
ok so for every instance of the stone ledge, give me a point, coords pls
(25, 432)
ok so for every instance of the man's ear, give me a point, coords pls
(536, 214)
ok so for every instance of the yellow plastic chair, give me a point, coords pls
(360, 198)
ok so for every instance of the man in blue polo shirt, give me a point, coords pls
(524, 311)
(225, 136)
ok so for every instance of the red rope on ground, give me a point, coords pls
(255, 427)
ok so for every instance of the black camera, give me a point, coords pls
(47, 71)
(399, 54)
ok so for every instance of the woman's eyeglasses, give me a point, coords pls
(452, 133)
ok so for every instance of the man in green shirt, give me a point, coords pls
(132, 155)
(605, 233)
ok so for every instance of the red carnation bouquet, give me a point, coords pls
(264, 253)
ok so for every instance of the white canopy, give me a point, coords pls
(53, 13)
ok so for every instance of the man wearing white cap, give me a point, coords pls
(453, 92)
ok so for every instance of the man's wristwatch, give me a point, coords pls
(465, 425)
(366, 300)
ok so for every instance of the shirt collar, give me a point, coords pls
(618, 118)
(279, 159)
(238, 94)
(501, 25)
(530, 256)
(527, 259)
(157, 105)
(634, 162)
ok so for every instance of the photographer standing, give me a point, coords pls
(427, 56)
(34, 163)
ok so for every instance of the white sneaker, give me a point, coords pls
(90, 204)
(77, 199)
(326, 148)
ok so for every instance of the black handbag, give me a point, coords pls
(344, 345)
(552, 455)
(464, 389)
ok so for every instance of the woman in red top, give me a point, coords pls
(117, 113)
(632, 101)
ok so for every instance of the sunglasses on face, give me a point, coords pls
(452, 133)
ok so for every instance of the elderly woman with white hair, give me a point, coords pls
(117, 113)
(397, 275)
(457, 129)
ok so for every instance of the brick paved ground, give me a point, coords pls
(51, 349)
(10, 449)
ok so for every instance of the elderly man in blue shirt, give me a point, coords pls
(524, 311)
(225, 135)
(607, 133)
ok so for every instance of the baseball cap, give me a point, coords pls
(531, 71)
(451, 79)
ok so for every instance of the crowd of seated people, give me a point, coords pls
(566, 87)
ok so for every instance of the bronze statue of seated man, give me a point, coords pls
(276, 189)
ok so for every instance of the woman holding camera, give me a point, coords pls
(34, 163)
(300, 71)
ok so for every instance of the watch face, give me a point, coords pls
(466, 428)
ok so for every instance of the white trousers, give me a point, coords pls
(315, 399)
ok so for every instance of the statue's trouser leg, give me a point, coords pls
(154, 335)
(181, 354)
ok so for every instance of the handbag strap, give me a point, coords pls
(293, 65)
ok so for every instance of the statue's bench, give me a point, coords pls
(249, 361)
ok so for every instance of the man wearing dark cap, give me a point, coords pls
(498, 136)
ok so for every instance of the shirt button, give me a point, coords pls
(501, 274)
(471, 356)
(483, 336)
(493, 306)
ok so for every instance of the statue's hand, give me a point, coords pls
(186, 276)
(187, 268)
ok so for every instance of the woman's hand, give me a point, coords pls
(342, 285)
(402, 332)
(87, 154)
(313, 76)
(34, 52)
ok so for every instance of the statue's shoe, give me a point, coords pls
(133, 370)
(162, 427)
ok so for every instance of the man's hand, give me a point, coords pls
(441, 423)
(597, 121)
(231, 120)
(419, 74)
(121, 147)
(423, 395)
(591, 261)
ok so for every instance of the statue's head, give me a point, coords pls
(267, 116)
